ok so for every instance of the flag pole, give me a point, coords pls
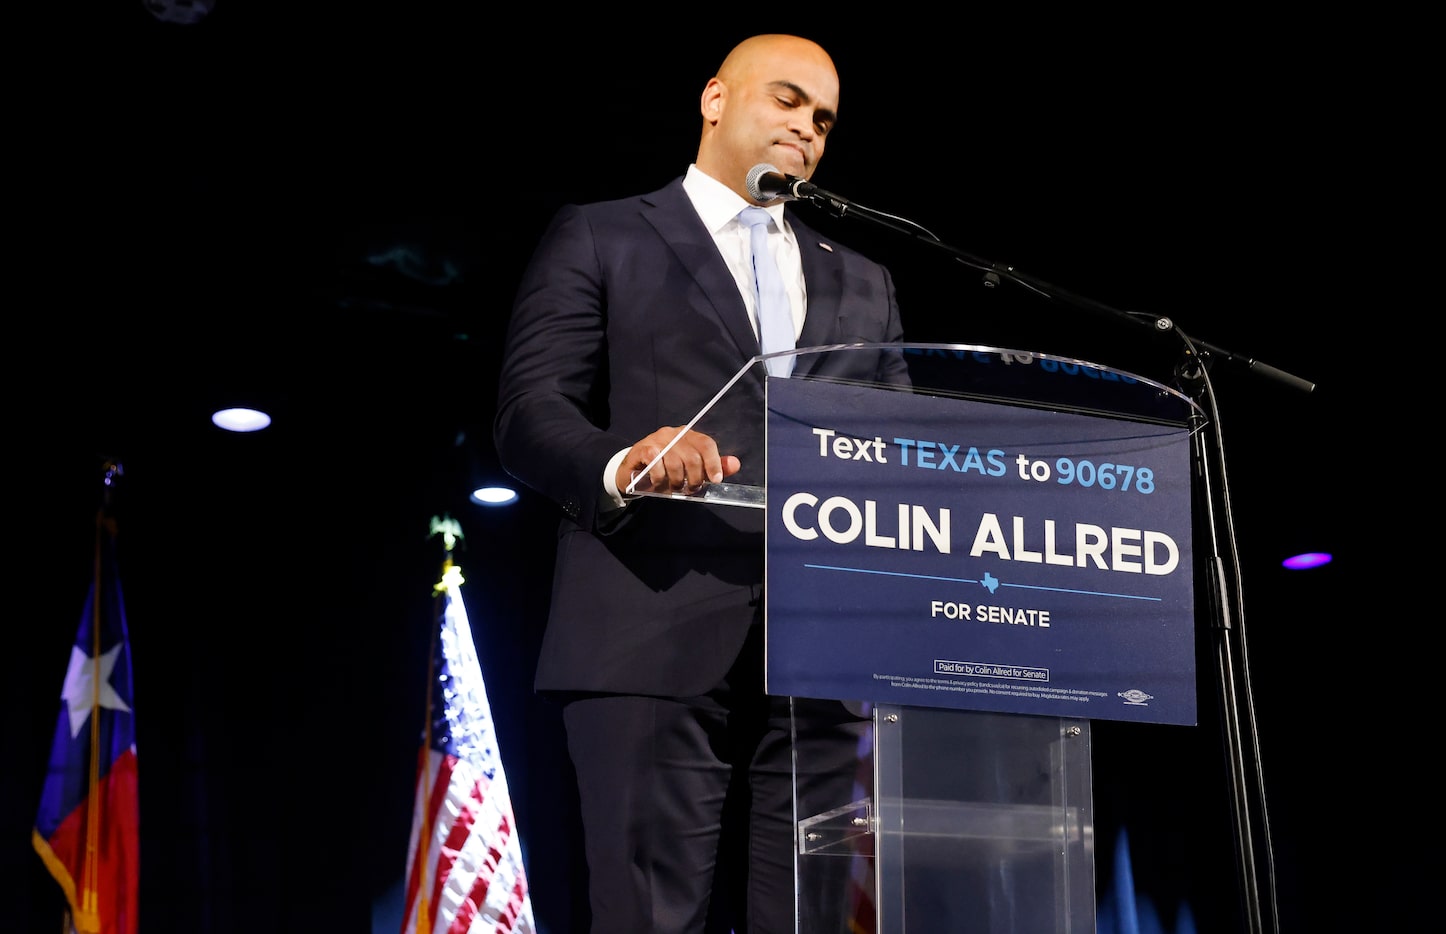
(89, 910)
(451, 531)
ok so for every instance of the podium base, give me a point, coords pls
(976, 821)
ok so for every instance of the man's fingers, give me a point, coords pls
(690, 462)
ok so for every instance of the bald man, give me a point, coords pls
(630, 317)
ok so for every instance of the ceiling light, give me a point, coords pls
(494, 495)
(240, 419)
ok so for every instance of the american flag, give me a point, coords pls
(464, 861)
(87, 828)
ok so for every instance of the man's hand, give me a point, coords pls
(690, 464)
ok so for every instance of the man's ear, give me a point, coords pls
(711, 104)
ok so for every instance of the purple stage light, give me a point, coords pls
(1309, 559)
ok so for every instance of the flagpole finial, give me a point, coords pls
(450, 529)
(112, 470)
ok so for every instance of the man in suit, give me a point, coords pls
(630, 317)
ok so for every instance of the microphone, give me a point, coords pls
(766, 183)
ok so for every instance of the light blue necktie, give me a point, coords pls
(775, 318)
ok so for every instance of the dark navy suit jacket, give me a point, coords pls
(628, 319)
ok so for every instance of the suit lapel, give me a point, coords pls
(823, 275)
(672, 215)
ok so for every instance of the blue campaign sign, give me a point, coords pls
(933, 551)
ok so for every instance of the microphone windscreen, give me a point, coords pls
(766, 183)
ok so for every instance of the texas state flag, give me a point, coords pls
(87, 829)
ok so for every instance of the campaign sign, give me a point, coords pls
(932, 551)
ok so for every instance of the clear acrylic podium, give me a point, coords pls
(944, 818)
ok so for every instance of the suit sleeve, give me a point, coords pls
(553, 389)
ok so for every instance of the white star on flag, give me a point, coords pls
(78, 691)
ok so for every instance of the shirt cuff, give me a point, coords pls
(610, 479)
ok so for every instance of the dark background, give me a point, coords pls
(331, 207)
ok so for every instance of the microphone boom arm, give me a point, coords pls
(995, 272)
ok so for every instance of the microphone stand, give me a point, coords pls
(1197, 352)
(1237, 709)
